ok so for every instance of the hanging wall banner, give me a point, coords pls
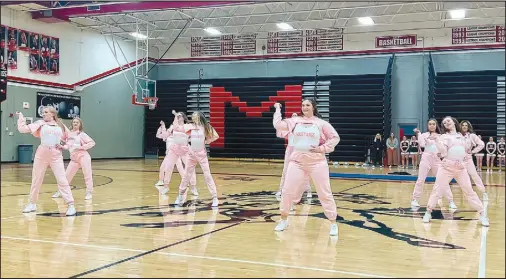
(3, 81)
(486, 34)
(67, 106)
(396, 41)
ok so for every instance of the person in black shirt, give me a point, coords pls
(377, 150)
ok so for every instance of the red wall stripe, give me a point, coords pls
(217, 101)
(256, 57)
(71, 86)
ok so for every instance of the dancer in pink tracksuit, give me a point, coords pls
(452, 147)
(51, 132)
(312, 138)
(177, 150)
(430, 162)
(491, 147)
(78, 143)
(474, 145)
(201, 133)
(288, 152)
(166, 135)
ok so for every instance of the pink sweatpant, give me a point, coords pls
(429, 162)
(81, 159)
(199, 157)
(174, 152)
(295, 178)
(52, 157)
(180, 169)
(471, 169)
(449, 170)
(288, 153)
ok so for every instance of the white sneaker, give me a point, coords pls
(215, 203)
(71, 211)
(281, 226)
(195, 192)
(309, 194)
(278, 196)
(333, 229)
(414, 203)
(159, 183)
(88, 196)
(56, 195)
(484, 220)
(179, 200)
(452, 205)
(163, 190)
(292, 207)
(427, 217)
(485, 197)
(31, 207)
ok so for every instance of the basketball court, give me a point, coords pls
(131, 230)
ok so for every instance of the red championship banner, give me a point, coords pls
(396, 41)
(484, 34)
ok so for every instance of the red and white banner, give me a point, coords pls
(485, 34)
(396, 41)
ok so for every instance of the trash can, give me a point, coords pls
(25, 152)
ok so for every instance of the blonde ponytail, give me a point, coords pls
(58, 120)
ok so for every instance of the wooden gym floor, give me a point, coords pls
(129, 230)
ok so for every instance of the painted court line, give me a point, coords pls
(201, 257)
(95, 204)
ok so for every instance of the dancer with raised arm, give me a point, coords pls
(452, 147)
(167, 136)
(52, 133)
(491, 147)
(430, 162)
(177, 150)
(200, 133)
(474, 145)
(78, 143)
(288, 152)
(313, 137)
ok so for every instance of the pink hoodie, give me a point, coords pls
(428, 142)
(328, 137)
(472, 140)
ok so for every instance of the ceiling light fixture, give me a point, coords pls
(458, 14)
(212, 31)
(138, 36)
(366, 20)
(284, 26)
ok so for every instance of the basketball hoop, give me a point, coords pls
(152, 101)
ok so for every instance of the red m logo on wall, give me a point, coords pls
(290, 97)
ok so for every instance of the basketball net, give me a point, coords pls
(152, 102)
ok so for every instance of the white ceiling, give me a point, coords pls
(164, 25)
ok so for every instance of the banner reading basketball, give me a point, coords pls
(67, 106)
(396, 41)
